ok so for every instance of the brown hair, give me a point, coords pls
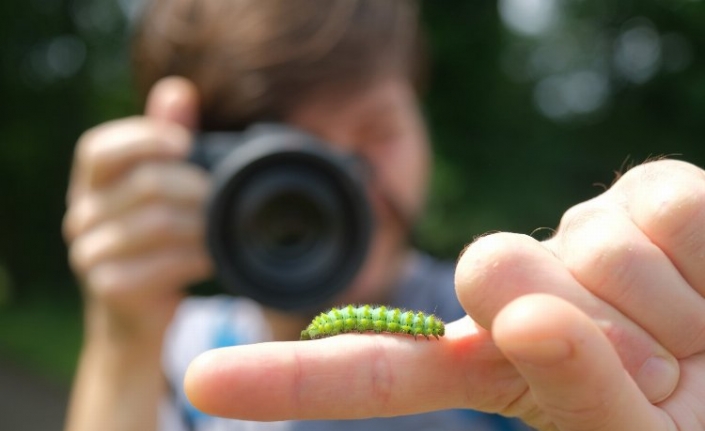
(257, 59)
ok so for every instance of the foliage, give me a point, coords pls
(43, 336)
(63, 70)
(502, 164)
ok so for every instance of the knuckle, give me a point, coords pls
(671, 196)
(579, 215)
(159, 221)
(599, 250)
(658, 171)
(590, 414)
(104, 281)
(69, 228)
(671, 208)
(698, 338)
(678, 218)
(297, 383)
(91, 146)
(78, 218)
(148, 183)
(168, 182)
(382, 378)
(100, 245)
(88, 138)
(88, 148)
(79, 257)
(75, 261)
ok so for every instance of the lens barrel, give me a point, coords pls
(288, 221)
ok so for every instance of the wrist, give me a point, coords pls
(119, 380)
(132, 330)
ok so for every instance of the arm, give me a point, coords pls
(599, 328)
(119, 383)
(134, 226)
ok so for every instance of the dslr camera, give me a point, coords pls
(288, 222)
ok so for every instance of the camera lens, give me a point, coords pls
(288, 221)
(285, 226)
(289, 225)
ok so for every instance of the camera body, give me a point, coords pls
(288, 222)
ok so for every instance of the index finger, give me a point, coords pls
(109, 150)
(352, 376)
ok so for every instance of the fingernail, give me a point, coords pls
(541, 353)
(657, 378)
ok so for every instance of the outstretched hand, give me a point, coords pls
(600, 328)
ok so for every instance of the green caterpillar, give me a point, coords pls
(367, 318)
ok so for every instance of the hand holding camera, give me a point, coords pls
(135, 221)
(286, 220)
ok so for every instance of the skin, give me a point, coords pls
(600, 328)
(134, 226)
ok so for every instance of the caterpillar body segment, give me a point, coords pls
(367, 318)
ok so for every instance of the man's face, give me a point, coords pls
(383, 125)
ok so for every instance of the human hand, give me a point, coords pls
(134, 222)
(601, 328)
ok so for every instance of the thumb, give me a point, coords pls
(574, 374)
(174, 99)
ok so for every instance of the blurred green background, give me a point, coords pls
(532, 105)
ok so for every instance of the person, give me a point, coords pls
(577, 332)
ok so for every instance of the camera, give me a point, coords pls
(288, 222)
